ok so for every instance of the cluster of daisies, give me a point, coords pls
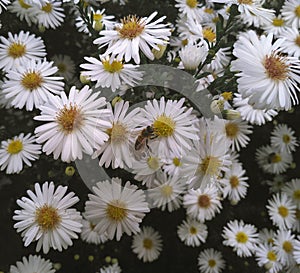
(180, 158)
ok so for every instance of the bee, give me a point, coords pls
(143, 138)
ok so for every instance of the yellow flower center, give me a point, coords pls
(176, 161)
(132, 26)
(193, 230)
(116, 211)
(234, 181)
(113, 67)
(166, 190)
(14, 147)
(16, 50)
(272, 256)
(283, 211)
(227, 96)
(209, 10)
(209, 34)
(296, 194)
(47, 217)
(47, 8)
(212, 263)
(69, 118)
(278, 22)
(297, 11)
(62, 67)
(32, 80)
(209, 166)
(241, 237)
(245, 2)
(164, 126)
(184, 42)
(275, 158)
(97, 17)
(232, 130)
(287, 246)
(286, 139)
(117, 134)
(203, 201)
(24, 5)
(148, 243)
(276, 68)
(192, 3)
(153, 163)
(297, 40)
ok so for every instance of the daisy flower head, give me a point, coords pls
(202, 204)
(3, 4)
(276, 26)
(291, 12)
(211, 261)
(266, 236)
(192, 232)
(114, 268)
(190, 9)
(243, 238)
(134, 34)
(292, 190)
(147, 244)
(38, 3)
(17, 49)
(46, 217)
(172, 164)
(296, 252)
(116, 209)
(31, 84)
(73, 124)
(15, 151)
(259, 60)
(281, 210)
(32, 263)
(272, 161)
(282, 137)
(65, 65)
(110, 72)
(116, 150)
(291, 44)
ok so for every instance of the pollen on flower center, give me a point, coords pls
(16, 50)
(113, 67)
(272, 256)
(286, 139)
(231, 129)
(32, 80)
(117, 133)
(164, 126)
(14, 147)
(193, 230)
(153, 163)
(297, 40)
(209, 165)
(212, 263)
(296, 194)
(47, 217)
(192, 3)
(116, 210)
(24, 5)
(278, 22)
(287, 246)
(227, 96)
(209, 34)
(69, 118)
(147, 243)
(245, 2)
(234, 181)
(166, 190)
(47, 8)
(241, 237)
(283, 211)
(275, 158)
(176, 161)
(276, 68)
(297, 11)
(97, 17)
(132, 26)
(203, 201)
(209, 10)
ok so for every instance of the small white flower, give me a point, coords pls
(192, 55)
(115, 268)
(291, 12)
(291, 43)
(66, 66)
(266, 236)
(189, 9)
(292, 190)
(211, 261)
(276, 26)
(296, 252)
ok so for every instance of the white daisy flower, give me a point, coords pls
(296, 225)
(172, 165)
(276, 184)
(46, 217)
(276, 26)
(296, 252)
(3, 4)
(32, 263)
(192, 232)
(267, 257)
(282, 137)
(111, 73)
(116, 150)
(167, 192)
(251, 113)
(291, 44)
(31, 84)
(132, 34)
(292, 190)
(211, 261)
(20, 48)
(190, 9)
(89, 235)
(284, 242)
(221, 59)
(147, 244)
(202, 204)
(266, 236)
(66, 66)
(15, 151)
(234, 185)
(267, 77)
(281, 210)
(291, 12)
(72, 125)
(243, 238)
(271, 160)
(114, 268)
(116, 209)
(38, 3)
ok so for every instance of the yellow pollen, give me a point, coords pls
(14, 147)
(212, 263)
(270, 241)
(147, 243)
(297, 40)
(113, 67)
(209, 166)
(245, 2)
(215, 19)
(286, 139)
(176, 161)
(193, 230)
(184, 42)
(47, 217)
(164, 126)
(204, 201)
(209, 34)
(117, 133)
(208, 10)
(283, 211)
(32, 80)
(232, 130)
(97, 17)
(69, 118)
(116, 210)
(153, 163)
(272, 256)
(287, 246)
(47, 8)
(192, 3)
(276, 68)
(166, 190)
(16, 50)
(132, 26)
(278, 22)
(275, 158)
(296, 194)
(241, 237)
(297, 11)
(61, 67)
(234, 181)
(24, 5)
(227, 95)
